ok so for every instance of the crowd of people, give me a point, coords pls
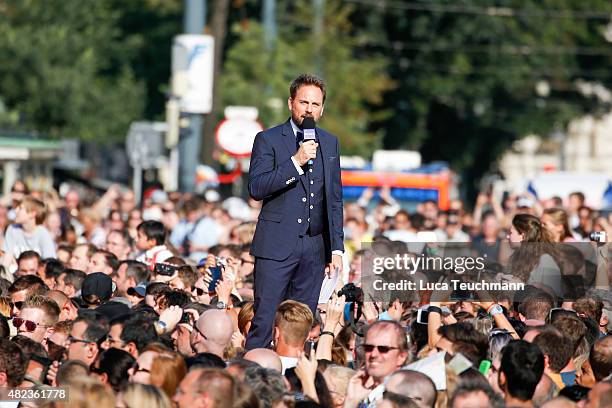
(149, 305)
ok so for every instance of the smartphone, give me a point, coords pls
(485, 366)
(422, 316)
(216, 273)
(347, 312)
(308, 347)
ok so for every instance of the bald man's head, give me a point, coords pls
(415, 385)
(265, 358)
(213, 332)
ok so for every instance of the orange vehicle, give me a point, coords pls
(429, 182)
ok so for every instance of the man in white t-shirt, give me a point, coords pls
(291, 327)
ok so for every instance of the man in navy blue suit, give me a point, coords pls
(299, 234)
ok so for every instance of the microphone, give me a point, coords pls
(308, 126)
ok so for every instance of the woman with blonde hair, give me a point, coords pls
(143, 396)
(87, 393)
(5, 306)
(167, 371)
(557, 223)
(244, 318)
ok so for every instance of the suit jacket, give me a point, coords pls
(274, 179)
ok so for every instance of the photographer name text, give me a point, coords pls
(454, 284)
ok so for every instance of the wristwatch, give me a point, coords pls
(495, 310)
(221, 305)
(162, 326)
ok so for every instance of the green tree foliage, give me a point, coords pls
(467, 71)
(63, 71)
(259, 77)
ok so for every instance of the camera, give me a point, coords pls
(221, 262)
(351, 293)
(165, 269)
(598, 236)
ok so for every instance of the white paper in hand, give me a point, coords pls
(433, 367)
(327, 289)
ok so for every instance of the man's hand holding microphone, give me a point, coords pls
(308, 148)
(306, 152)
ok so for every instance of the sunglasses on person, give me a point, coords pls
(195, 326)
(29, 324)
(72, 339)
(138, 368)
(18, 304)
(198, 291)
(368, 348)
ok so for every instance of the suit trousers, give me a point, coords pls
(299, 277)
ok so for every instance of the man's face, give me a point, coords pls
(247, 264)
(200, 294)
(38, 317)
(181, 338)
(185, 396)
(27, 267)
(197, 339)
(122, 279)
(78, 349)
(114, 337)
(116, 245)
(308, 101)
(80, 259)
(379, 364)
(17, 299)
(72, 200)
(141, 372)
(97, 263)
(61, 286)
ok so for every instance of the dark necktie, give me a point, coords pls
(299, 138)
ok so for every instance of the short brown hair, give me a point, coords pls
(557, 347)
(32, 284)
(601, 358)
(218, 384)
(307, 79)
(537, 306)
(64, 326)
(466, 340)
(32, 204)
(589, 307)
(187, 275)
(571, 327)
(12, 362)
(294, 320)
(47, 305)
